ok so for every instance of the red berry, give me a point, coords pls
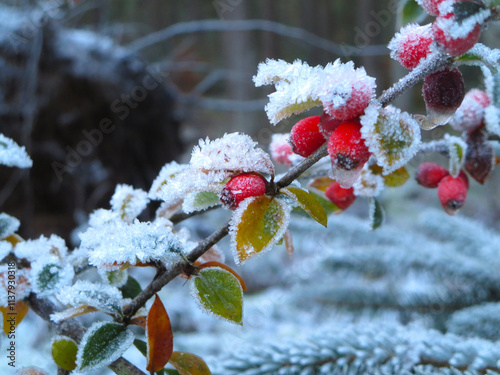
(431, 6)
(306, 137)
(443, 93)
(327, 124)
(453, 37)
(452, 192)
(430, 174)
(411, 45)
(281, 149)
(241, 187)
(348, 152)
(480, 156)
(470, 115)
(341, 197)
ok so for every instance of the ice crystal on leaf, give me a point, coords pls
(34, 250)
(8, 225)
(340, 88)
(391, 135)
(118, 244)
(13, 155)
(84, 293)
(368, 184)
(457, 149)
(128, 202)
(49, 275)
(166, 174)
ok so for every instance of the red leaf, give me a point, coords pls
(139, 321)
(223, 266)
(160, 337)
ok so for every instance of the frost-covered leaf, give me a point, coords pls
(159, 335)
(227, 268)
(369, 184)
(200, 201)
(300, 87)
(128, 202)
(482, 55)
(12, 155)
(103, 297)
(19, 310)
(308, 203)
(256, 225)
(131, 289)
(409, 11)
(376, 214)
(72, 313)
(391, 135)
(290, 249)
(102, 344)
(49, 276)
(167, 173)
(8, 225)
(43, 247)
(64, 353)
(5, 249)
(116, 244)
(457, 150)
(115, 278)
(219, 293)
(189, 364)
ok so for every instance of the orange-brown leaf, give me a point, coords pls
(227, 268)
(160, 337)
(17, 311)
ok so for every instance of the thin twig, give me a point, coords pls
(256, 25)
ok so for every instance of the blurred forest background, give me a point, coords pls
(65, 67)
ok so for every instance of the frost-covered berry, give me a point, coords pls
(470, 115)
(411, 45)
(306, 137)
(339, 196)
(431, 6)
(348, 153)
(349, 93)
(452, 192)
(443, 92)
(241, 187)
(430, 174)
(327, 124)
(458, 29)
(281, 149)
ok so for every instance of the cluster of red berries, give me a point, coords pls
(452, 191)
(456, 30)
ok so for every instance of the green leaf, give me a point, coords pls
(64, 353)
(308, 203)
(141, 346)
(456, 148)
(117, 278)
(219, 292)
(8, 225)
(131, 289)
(189, 364)
(409, 11)
(103, 344)
(204, 200)
(397, 178)
(257, 224)
(376, 214)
